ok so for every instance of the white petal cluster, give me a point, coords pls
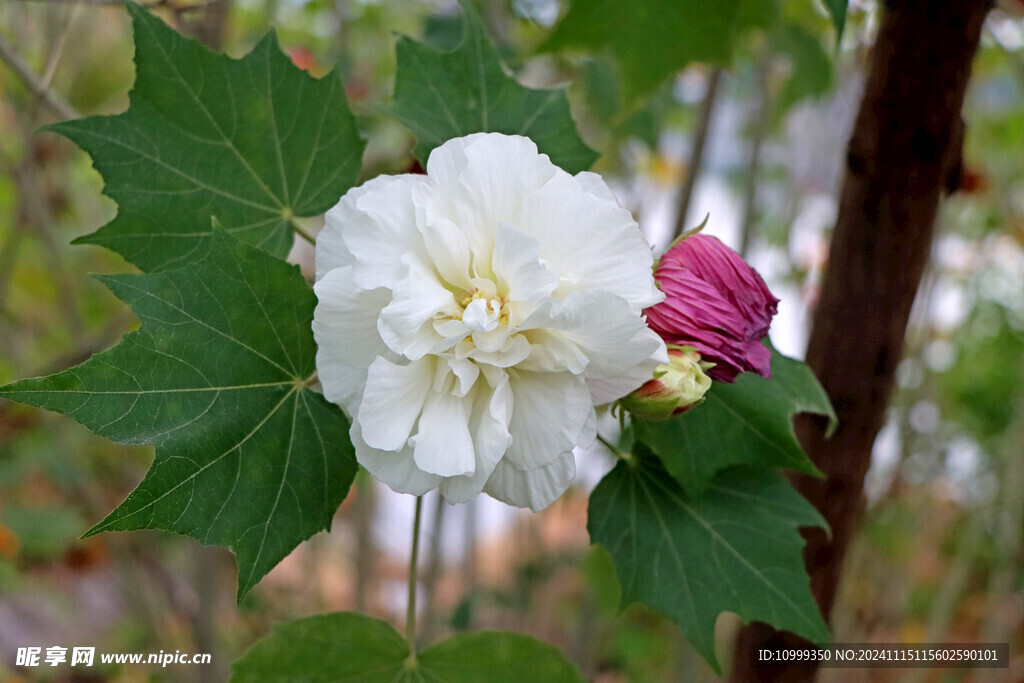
(470, 319)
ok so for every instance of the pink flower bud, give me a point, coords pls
(676, 387)
(716, 303)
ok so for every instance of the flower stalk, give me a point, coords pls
(410, 612)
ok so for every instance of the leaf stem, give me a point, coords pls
(616, 451)
(302, 233)
(410, 613)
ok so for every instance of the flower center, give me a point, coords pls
(484, 331)
(483, 313)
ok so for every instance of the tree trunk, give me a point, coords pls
(904, 152)
(209, 23)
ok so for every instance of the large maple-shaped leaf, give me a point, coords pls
(344, 646)
(736, 548)
(442, 95)
(749, 422)
(254, 142)
(650, 40)
(217, 377)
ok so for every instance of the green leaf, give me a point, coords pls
(443, 95)
(749, 422)
(344, 646)
(837, 10)
(758, 13)
(247, 455)
(650, 40)
(810, 73)
(734, 549)
(254, 142)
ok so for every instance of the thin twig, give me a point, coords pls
(57, 103)
(762, 119)
(34, 214)
(700, 137)
(58, 48)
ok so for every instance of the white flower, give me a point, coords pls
(470, 319)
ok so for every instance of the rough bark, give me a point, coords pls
(903, 154)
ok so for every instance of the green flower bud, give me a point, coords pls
(676, 387)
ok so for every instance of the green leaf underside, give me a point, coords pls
(650, 40)
(734, 549)
(252, 141)
(247, 456)
(749, 422)
(443, 95)
(345, 646)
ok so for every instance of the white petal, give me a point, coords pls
(613, 386)
(478, 317)
(553, 352)
(588, 435)
(443, 445)
(331, 251)
(610, 389)
(606, 331)
(392, 401)
(535, 489)
(481, 179)
(551, 409)
(377, 222)
(513, 351)
(595, 185)
(518, 268)
(417, 298)
(448, 249)
(592, 243)
(345, 329)
(397, 469)
(466, 373)
(491, 414)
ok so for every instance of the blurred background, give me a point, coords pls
(758, 146)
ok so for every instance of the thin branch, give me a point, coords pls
(57, 103)
(762, 120)
(700, 137)
(58, 48)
